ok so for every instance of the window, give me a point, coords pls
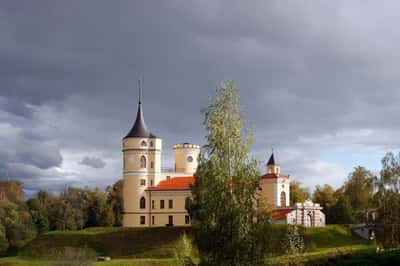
(170, 204)
(189, 159)
(151, 182)
(142, 203)
(142, 219)
(143, 162)
(162, 204)
(151, 143)
(142, 182)
(152, 164)
(168, 177)
(152, 204)
(187, 202)
(283, 199)
(187, 219)
(152, 219)
(143, 144)
(170, 220)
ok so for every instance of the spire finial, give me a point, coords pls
(140, 92)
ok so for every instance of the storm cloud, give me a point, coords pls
(315, 79)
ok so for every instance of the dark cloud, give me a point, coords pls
(312, 77)
(93, 162)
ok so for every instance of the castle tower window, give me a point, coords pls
(142, 203)
(152, 165)
(151, 144)
(143, 162)
(143, 182)
(189, 159)
(283, 199)
(143, 144)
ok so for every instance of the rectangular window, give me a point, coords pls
(187, 219)
(152, 220)
(170, 220)
(162, 204)
(142, 182)
(152, 204)
(152, 164)
(170, 204)
(151, 182)
(142, 219)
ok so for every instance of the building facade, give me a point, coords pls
(155, 198)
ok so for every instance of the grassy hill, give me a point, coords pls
(157, 246)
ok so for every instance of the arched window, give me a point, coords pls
(143, 144)
(142, 203)
(143, 162)
(283, 199)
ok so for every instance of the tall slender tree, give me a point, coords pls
(227, 226)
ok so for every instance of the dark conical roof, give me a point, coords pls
(139, 129)
(271, 160)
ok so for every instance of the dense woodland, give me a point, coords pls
(74, 208)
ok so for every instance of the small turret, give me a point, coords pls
(272, 167)
(186, 157)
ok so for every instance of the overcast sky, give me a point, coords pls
(318, 81)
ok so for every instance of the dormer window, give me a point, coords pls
(143, 143)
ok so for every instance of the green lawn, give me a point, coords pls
(157, 246)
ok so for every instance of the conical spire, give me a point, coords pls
(139, 129)
(271, 160)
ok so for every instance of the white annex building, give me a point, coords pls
(155, 198)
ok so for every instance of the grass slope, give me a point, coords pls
(156, 246)
(116, 242)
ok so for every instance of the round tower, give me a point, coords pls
(186, 158)
(141, 168)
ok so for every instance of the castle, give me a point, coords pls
(155, 198)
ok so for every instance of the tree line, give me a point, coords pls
(72, 209)
(364, 197)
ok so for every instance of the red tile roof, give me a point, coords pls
(279, 214)
(175, 183)
(267, 176)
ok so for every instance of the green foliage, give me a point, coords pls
(359, 189)
(388, 201)
(184, 251)
(115, 200)
(324, 196)
(341, 212)
(226, 225)
(16, 225)
(99, 211)
(298, 193)
(3, 240)
(293, 242)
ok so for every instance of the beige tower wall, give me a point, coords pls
(268, 191)
(186, 158)
(134, 174)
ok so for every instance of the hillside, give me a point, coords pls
(157, 246)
